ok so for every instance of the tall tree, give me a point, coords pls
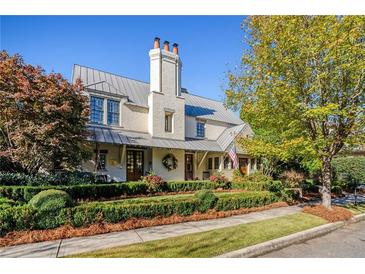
(301, 86)
(42, 117)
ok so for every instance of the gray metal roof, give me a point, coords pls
(137, 93)
(227, 136)
(118, 136)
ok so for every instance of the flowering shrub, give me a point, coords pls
(154, 182)
(220, 180)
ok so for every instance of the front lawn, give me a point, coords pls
(215, 242)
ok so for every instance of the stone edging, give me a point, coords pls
(269, 246)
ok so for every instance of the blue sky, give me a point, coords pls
(208, 45)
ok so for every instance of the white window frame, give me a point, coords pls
(169, 114)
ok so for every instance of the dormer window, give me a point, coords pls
(97, 111)
(200, 129)
(168, 121)
(113, 112)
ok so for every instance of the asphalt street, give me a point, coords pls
(347, 242)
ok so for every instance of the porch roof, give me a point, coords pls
(124, 137)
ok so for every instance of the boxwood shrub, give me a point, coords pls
(107, 191)
(189, 185)
(246, 200)
(57, 178)
(274, 186)
(26, 217)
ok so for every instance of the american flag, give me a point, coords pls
(232, 154)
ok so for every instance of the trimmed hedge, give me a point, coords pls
(77, 192)
(100, 191)
(248, 200)
(107, 191)
(189, 186)
(274, 186)
(59, 178)
(25, 217)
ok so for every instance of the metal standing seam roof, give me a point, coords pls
(123, 137)
(137, 93)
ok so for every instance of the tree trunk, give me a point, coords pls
(326, 182)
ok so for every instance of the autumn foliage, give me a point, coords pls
(42, 118)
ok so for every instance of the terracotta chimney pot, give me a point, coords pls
(175, 49)
(156, 44)
(166, 45)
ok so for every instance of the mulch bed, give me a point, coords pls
(67, 231)
(334, 214)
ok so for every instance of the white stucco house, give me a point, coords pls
(134, 124)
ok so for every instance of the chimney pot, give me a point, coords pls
(156, 44)
(166, 45)
(175, 49)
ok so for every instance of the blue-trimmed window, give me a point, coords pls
(200, 129)
(97, 110)
(113, 112)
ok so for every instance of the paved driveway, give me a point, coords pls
(347, 242)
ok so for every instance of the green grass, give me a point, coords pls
(214, 242)
(358, 209)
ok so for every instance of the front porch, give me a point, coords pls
(129, 163)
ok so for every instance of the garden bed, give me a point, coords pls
(67, 231)
(26, 217)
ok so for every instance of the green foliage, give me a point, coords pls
(101, 191)
(48, 204)
(301, 87)
(189, 185)
(290, 194)
(51, 200)
(254, 177)
(348, 172)
(59, 178)
(273, 186)
(27, 217)
(246, 200)
(206, 198)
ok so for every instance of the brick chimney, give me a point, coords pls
(166, 45)
(175, 49)
(156, 44)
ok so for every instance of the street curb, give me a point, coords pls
(279, 243)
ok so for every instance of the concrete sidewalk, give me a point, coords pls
(60, 248)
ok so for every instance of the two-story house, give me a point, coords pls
(137, 127)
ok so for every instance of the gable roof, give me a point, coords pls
(137, 93)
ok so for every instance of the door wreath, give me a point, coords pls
(169, 161)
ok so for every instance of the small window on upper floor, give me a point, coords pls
(113, 112)
(168, 121)
(97, 110)
(200, 129)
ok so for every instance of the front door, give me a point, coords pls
(134, 165)
(189, 170)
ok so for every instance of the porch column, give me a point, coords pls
(221, 163)
(248, 166)
(195, 164)
(122, 157)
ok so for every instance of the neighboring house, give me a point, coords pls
(134, 124)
